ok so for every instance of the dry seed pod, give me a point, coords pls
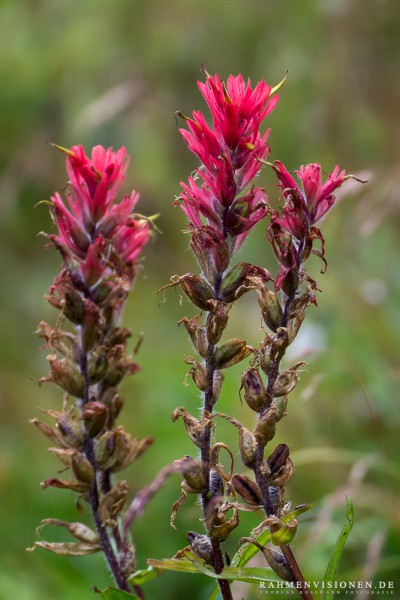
(104, 448)
(66, 375)
(265, 426)
(201, 546)
(231, 352)
(270, 308)
(94, 415)
(81, 468)
(277, 498)
(74, 306)
(278, 563)
(198, 373)
(192, 473)
(223, 526)
(217, 320)
(254, 389)
(277, 459)
(216, 488)
(112, 503)
(127, 559)
(247, 447)
(71, 430)
(197, 334)
(247, 489)
(197, 290)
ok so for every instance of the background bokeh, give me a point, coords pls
(113, 72)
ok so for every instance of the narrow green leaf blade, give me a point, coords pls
(143, 576)
(114, 594)
(333, 565)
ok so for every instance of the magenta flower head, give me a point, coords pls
(307, 203)
(94, 231)
(230, 152)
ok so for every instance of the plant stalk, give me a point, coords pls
(88, 449)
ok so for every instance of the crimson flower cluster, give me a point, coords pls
(230, 152)
(93, 229)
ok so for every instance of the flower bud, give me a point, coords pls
(247, 489)
(254, 389)
(201, 546)
(66, 375)
(81, 468)
(95, 416)
(231, 352)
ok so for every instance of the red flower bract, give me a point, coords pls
(230, 152)
(92, 228)
(308, 203)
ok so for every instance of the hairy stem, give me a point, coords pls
(94, 502)
(208, 406)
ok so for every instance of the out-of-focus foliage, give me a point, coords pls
(113, 72)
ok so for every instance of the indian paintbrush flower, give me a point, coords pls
(230, 152)
(100, 241)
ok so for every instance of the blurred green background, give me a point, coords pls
(113, 72)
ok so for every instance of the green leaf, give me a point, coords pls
(193, 565)
(143, 576)
(333, 565)
(114, 594)
(247, 551)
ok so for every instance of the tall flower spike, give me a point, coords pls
(100, 241)
(230, 152)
